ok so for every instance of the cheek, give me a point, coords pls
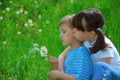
(79, 36)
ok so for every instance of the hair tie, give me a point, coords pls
(98, 29)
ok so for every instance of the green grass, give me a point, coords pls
(16, 40)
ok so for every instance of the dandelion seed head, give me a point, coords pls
(43, 51)
(19, 33)
(39, 16)
(35, 45)
(40, 30)
(7, 9)
(26, 24)
(10, 2)
(4, 42)
(30, 21)
(1, 18)
(18, 12)
(3, 11)
(47, 22)
(25, 12)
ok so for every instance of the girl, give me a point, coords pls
(106, 59)
(77, 63)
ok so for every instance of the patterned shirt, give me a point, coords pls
(78, 63)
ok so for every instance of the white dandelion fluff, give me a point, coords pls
(30, 21)
(39, 30)
(7, 9)
(44, 51)
(1, 18)
(19, 33)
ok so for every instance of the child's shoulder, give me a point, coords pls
(83, 49)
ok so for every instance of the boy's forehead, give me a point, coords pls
(65, 26)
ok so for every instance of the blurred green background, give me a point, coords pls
(26, 25)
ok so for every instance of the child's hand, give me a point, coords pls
(53, 62)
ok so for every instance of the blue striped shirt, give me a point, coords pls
(78, 63)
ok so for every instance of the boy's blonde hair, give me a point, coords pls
(67, 20)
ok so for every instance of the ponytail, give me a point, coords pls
(100, 43)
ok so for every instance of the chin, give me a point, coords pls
(65, 44)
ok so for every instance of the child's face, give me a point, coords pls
(80, 36)
(66, 35)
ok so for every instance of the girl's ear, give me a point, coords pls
(92, 33)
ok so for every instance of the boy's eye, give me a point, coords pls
(64, 31)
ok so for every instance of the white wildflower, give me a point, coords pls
(3, 11)
(4, 42)
(25, 12)
(40, 30)
(26, 24)
(47, 22)
(18, 12)
(8, 9)
(43, 51)
(39, 16)
(19, 33)
(1, 18)
(30, 21)
(35, 45)
(10, 2)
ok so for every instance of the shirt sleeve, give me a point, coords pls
(83, 65)
(109, 52)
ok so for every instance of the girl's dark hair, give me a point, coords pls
(94, 22)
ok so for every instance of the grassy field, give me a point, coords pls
(26, 25)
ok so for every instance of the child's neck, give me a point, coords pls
(75, 45)
(92, 39)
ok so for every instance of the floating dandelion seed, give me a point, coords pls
(43, 51)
